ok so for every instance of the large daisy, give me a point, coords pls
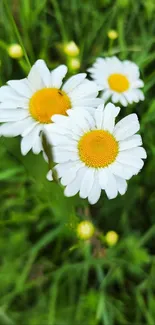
(94, 154)
(27, 105)
(118, 79)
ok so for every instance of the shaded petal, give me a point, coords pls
(121, 170)
(57, 76)
(11, 115)
(35, 76)
(127, 127)
(103, 177)
(132, 142)
(84, 90)
(49, 175)
(70, 175)
(87, 183)
(29, 140)
(99, 116)
(110, 113)
(21, 86)
(125, 158)
(74, 187)
(95, 192)
(15, 128)
(111, 188)
(92, 102)
(73, 82)
(121, 185)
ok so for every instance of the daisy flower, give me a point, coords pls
(118, 79)
(94, 154)
(27, 105)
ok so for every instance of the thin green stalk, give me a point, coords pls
(16, 31)
(60, 20)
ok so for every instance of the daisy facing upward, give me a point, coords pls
(94, 154)
(118, 79)
(27, 105)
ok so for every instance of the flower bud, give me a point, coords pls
(111, 238)
(112, 34)
(74, 64)
(85, 230)
(71, 49)
(15, 51)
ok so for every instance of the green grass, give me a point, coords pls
(47, 276)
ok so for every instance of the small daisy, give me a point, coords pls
(27, 105)
(118, 79)
(93, 153)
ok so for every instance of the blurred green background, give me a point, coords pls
(48, 276)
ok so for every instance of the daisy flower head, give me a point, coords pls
(27, 105)
(94, 154)
(118, 79)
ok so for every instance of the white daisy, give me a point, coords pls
(94, 154)
(28, 104)
(118, 79)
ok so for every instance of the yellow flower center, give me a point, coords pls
(118, 82)
(98, 148)
(47, 102)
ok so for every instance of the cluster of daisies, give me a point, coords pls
(91, 153)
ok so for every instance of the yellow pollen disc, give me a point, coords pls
(98, 148)
(118, 82)
(47, 102)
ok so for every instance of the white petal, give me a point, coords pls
(95, 192)
(70, 175)
(15, 128)
(110, 113)
(121, 185)
(8, 94)
(43, 72)
(99, 116)
(57, 139)
(84, 90)
(89, 117)
(87, 183)
(138, 152)
(103, 177)
(35, 76)
(73, 82)
(131, 142)
(17, 102)
(139, 94)
(74, 187)
(37, 145)
(79, 119)
(92, 102)
(28, 141)
(32, 124)
(111, 188)
(61, 169)
(63, 156)
(127, 159)
(127, 127)
(11, 115)
(54, 128)
(49, 176)
(123, 101)
(106, 94)
(121, 170)
(21, 86)
(115, 97)
(57, 76)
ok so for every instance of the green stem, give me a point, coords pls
(59, 19)
(16, 31)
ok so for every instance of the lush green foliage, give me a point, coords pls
(48, 276)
